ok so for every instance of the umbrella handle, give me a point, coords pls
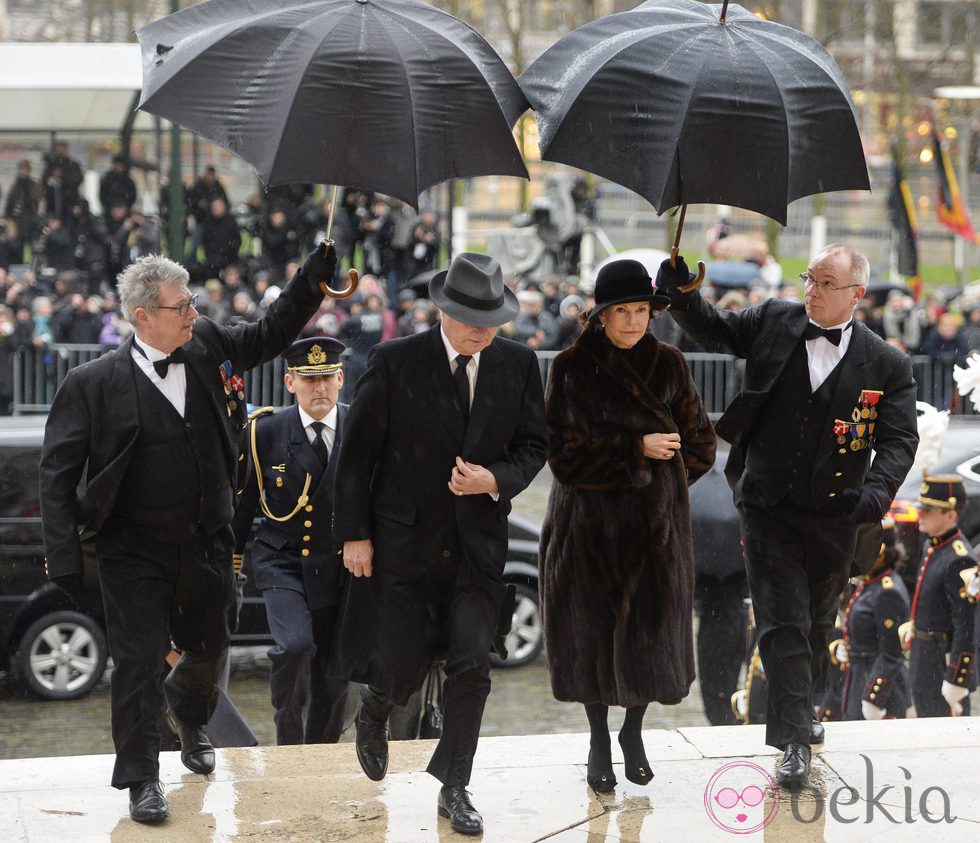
(351, 288)
(698, 279)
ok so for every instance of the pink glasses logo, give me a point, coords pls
(735, 798)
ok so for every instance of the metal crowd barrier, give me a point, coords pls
(38, 373)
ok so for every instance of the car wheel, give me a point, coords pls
(526, 637)
(61, 656)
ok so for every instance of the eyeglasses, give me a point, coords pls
(809, 281)
(751, 796)
(181, 308)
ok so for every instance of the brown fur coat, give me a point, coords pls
(617, 565)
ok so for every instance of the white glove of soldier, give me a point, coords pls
(953, 694)
(841, 653)
(871, 712)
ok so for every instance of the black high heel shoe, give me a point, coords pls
(601, 779)
(635, 761)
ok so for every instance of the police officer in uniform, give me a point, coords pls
(940, 633)
(292, 457)
(877, 682)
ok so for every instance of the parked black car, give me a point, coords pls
(58, 650)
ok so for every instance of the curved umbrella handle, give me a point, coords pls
(698, 279)
(345, 293)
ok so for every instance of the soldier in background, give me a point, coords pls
(877, 682)
(940, 634)
(292, 461)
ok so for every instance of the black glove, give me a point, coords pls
(73, 585)
(669, 278)
(861, 506)
(320, 268)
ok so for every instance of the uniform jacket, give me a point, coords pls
(766, 337)
(876, 663)
(617, 562)
(94, 420)
(942, 604)
(298, 553)
(402, 436)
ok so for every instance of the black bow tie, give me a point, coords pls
(830, 334)
(160, 366)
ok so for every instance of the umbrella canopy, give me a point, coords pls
(682, 108)
(394, 95)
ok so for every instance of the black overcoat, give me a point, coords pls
(617, 564)
(401, 439)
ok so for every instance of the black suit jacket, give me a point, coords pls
(766, 337)
(94, 419)
(285, 459)
(401, 440)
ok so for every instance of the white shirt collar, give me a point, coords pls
(152, 354)
(844, 326)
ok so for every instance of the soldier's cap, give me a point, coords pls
(314, 356)
(943, 492)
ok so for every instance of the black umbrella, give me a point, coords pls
(686, 102)
(392, 95)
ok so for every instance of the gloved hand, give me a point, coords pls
(954, 694)
(320, 268)
(73, 585)
(871, 712)
(861, 506)
(669, 278)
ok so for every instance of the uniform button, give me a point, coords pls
(305, 551)
(308, 508)
(446, 554)
(306, 538)
(307, 523)
(966, 659)
(842, 451)
(832, 495)
(838, 474)
(187, 425)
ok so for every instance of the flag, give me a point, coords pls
(901, 209)
(950, 207)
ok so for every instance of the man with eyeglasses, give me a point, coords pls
(821, 392)
(154, 428)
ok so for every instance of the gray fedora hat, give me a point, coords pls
(472, 291)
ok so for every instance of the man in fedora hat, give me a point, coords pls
(292, 458)
(445, 429)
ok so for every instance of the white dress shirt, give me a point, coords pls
(472, 368)
(823, 356)
(329, 432)
(174, 385)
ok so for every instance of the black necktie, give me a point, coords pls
(462, 382)
(319, 446)
(830, 334)
(160, 366)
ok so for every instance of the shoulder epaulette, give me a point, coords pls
(260, 411)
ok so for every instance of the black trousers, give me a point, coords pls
(723, 621)
(298, 677)
(797, 563)
(927, 669)
(464, 621)
(156, 592)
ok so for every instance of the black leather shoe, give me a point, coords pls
(794, 770)
(371, 744)
(454, 803)
(147, 803)
(816, 731)
(600, 776)
(195, 747)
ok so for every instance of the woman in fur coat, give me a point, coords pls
(628, 435)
